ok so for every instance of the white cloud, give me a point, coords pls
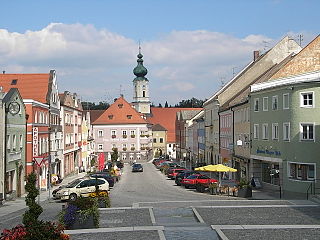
(95, 62)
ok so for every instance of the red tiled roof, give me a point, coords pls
(120, 112)
(95, 114)
(167, 118)
(31, 86)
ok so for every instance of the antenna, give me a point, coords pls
(222, 81)
(233, 71)
(300, 39)
(121, 91)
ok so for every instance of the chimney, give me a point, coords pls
(3, 72)
(255, 55)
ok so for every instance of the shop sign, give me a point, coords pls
(35, 141)
(269, 152)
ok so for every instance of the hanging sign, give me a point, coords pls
(35, 141)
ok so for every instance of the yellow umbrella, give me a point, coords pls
(199, 169)
(219, 168)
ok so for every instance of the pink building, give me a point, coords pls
(123, 128)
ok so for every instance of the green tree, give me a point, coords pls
(166, 104)
(114, 155)
(93, 106)
(190, 103)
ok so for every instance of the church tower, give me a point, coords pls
(141, 100)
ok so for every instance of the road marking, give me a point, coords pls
(135, 205)
(161, 235)
(222, 200)
(237, 227)
(153, 219)
(221, 234)
(119, 229)
(200, 219)
(259, 206)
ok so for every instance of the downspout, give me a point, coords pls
(5, 154)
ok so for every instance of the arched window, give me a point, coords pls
(143, 93)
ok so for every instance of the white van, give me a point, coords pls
(82, 187)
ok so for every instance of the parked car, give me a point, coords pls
(82, 187)
(137, 167)
(55, 194)
(104, 175)
(172, 172)
(184, 174)
(193, 180)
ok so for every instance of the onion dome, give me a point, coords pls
(140, 71)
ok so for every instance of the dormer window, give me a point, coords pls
(120, 105)
(14, 81)
(110, 116)
(129, 116)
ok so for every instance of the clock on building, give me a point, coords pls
(14, 108)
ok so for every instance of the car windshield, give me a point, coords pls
(137, 165)
(73, 183)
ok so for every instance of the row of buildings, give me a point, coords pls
(42, 130)
(264, 121)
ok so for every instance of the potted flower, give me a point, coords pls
(124, 136)
(133, 136)
(142, 148)
(124, 149)
(245, 189)
(32, 228)
(132, 148)
(102, 198)
(142, 135)
(80, 213)
(113, 136)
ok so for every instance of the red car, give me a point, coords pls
(172, 173)
(191, 181)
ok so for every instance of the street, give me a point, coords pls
(147, 205)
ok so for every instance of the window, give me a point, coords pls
(124, 134)
(21, 141)
(265, 131)
(14, 142)
(143, 93)
(256, 104)
(306, 131)
(161, 140)
(170, 145)
(286, 131)
(275, 131)
(110, 116)
(129, 116)
(100, 133)
(301, 171)
(306, 99)
(114, 146)
(256, 131)
(8, 142)
(274, 102)
(154, 140)
(286, 101)
(265, 104)
(100, 146)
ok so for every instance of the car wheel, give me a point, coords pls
(186, 186)
(73, 197)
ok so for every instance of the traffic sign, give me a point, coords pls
(38, 160)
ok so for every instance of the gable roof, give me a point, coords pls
(306, 61)
(167, 118)
(120, 112)
(31, 86)
(158, 127)
(94, 114)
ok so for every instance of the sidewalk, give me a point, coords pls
(19, 203)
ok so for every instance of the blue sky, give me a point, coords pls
(190, 27)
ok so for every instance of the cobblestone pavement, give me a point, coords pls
(260, 215)
(125, 217)
(133, 235)
(274, 234)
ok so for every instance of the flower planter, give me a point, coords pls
(102, 203)
(82, 222)
(245, 192)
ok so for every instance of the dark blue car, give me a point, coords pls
(137, 167)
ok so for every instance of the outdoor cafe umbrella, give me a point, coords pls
(216, 168)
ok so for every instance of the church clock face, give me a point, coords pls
(14, 108)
